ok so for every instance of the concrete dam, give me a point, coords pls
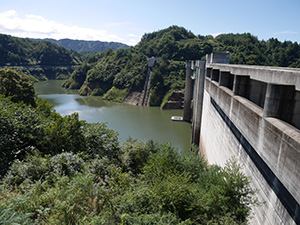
(251, 113)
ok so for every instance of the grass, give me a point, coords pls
(166, 98)
(116, 95)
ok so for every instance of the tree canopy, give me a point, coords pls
(17, 86)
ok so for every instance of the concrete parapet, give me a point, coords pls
(226, 79)
(215, 75)
(282, 99)
(279, 102)
(241, 84)
(267, 74)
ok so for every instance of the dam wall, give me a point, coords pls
(251, 113)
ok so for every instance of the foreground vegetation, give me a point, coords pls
(60, 170)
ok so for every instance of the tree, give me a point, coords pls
(17, 86)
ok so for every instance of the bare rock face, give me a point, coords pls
(133, 98)
(175, 101)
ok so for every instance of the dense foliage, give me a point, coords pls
(41, 60)
(247, 49)
(17, 86)
(86, 46)
(25, 52)
(60, 170)
(126, 69)
(123, 69)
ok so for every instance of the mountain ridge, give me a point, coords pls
(40, 60)
(84, 46)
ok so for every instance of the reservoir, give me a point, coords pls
(138, 122)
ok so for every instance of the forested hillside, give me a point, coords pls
(41, 60)
(86, 46)
(25, 52)
(60, 170)
(123, 71)
(247, 49)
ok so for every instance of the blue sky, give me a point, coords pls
(127, 20)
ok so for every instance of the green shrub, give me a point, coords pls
(134, 155)
(74, 85)
(138, 200)
(162, 163)
(155, 218)
(115, 94)
(101, 141)
(102, 168)
(166, 98)
(9, 217)
(193, 164)
(17, 86)
(21, 129)
(84, 90)
(64, 134)
(66, 164)
(33, 168)
(97, 92)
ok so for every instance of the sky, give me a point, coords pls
(126, 21)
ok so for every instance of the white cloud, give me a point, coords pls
(36, 26)
(134, 39)
(133, 35)
(132, 42)
(286, 32)
(217, 34)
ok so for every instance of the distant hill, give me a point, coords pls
(41, 60)
(16, 51)
(86, 46)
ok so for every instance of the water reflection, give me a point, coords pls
(94, 101)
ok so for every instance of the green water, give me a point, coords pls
(138, 122)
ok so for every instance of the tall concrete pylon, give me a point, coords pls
(188, 93)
